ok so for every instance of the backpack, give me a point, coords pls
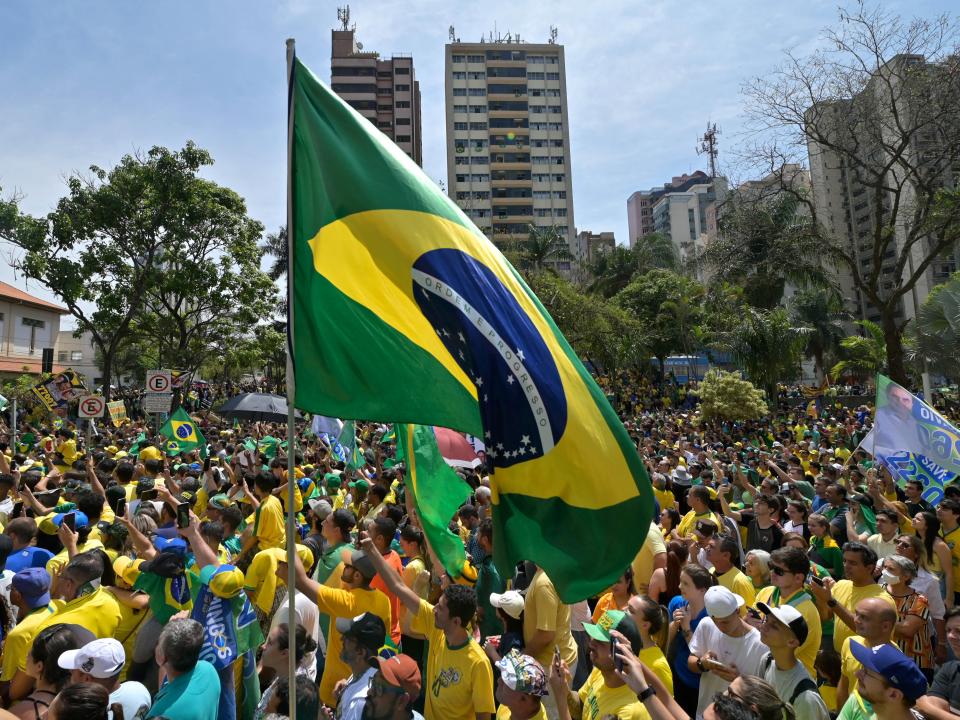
(802, 686)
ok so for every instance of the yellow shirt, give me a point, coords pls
(57, 562)
(417, 577)
(131, 620)
(666, 498)
(643, 563)
(654, 659)
(542, 610)
(459, 680)
(260, 580)
(849, 665)
(68, 448)
(98, 612)
(150, 453)
(847, 595)
(599, 700)
(268, 524)
(503, 713)
(18, 643)
(345, 604)
(739, 584)
(952, 539)
(687, 523)
(802, 603)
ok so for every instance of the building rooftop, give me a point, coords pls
(19, 297)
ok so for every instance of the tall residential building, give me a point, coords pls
(846, 204)
(591, 245)
(640, 204)
(386, 92)
(508, 138)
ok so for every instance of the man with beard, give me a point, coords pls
(888, 680)
(393, 689)
(363, 637)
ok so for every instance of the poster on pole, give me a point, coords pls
(57, 392)
(118, 412)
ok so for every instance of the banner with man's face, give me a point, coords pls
(59, 391)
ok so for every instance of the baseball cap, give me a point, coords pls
(367, 629)
(900, 671)
(511, 602)
(81, 519)
(615, 620)
(103, 658)
(320, 507)
(705, 527)
(789, 616)
(361, 483)
(33, 584)
(332, 480)
(720, 602)
(522, 673)
(359, 560)
(177, 545)
(400, 671)
(220, 501)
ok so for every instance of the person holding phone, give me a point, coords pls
(604, 693)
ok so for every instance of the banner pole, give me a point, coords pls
(291, 396)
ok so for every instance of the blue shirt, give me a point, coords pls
(193, 696)
(29, 557)
(681, 649)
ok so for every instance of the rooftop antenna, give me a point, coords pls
(708, 146)
(553, 34)
(453, 35)
(343, 15)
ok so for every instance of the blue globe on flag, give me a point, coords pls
(184, 431)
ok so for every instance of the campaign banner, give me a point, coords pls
(906, 466)
(118, 412)
(904, 423)
(57, 392)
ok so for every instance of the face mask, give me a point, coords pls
(888, 578)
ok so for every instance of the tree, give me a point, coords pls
(876, 108)
(763, 244)
(613, 271)
(766, 345)
(821, 310)
(275, 246)
(542, 245)
(644, 299)
(863, 356)
(935, 336)
(726, 396)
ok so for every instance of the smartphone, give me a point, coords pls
(754, 613)
(206, 464)
(70, 520)
(817, 580)
(17, 509)
(183, 515)
(556, 654)
(121, 509)
(150, 494)
(617, 662)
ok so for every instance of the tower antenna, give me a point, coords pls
(708, 145)
(343, 15)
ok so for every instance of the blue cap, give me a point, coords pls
(33, 584)
(900, 671)
(177, 545)
(82, 520)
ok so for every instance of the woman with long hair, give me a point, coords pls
(665, 582)
(824, 550)
(669, 519)
(938, 559)
(686, 612)
(276, 651)
(84, 701)
(618, 597)
(417, 578)
(651, 620)
(49, 678)
(797, 518)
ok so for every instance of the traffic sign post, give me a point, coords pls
(159, 381)
(92, 406)
(157, 402)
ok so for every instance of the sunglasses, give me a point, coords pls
(375, 689)
(777, 570)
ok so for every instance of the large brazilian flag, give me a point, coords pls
(402, 311)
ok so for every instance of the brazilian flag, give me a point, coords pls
(402, 311)
(182, 434)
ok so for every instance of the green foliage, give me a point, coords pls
(726, 396)
(862, 356)
(275, 246)
(542, 245)
(821, 310)
(935, 335)
(766, 345)
(613, 271)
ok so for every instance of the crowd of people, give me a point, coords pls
(784, 576)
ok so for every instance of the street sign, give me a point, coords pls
(157, 402)
(91, 406)
(158, 381)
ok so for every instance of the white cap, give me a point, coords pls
(102, 658)
(511, 602)
(720, 602)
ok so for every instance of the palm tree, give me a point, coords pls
(683, 313)
(765, 244)
(862, 355)
(656, 250)
(542, 245)
(821, 310)
(614, 270)
(935, 335)
(275, 246)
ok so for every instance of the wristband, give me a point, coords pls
(832, 603)
(646, 694)
(700, 665)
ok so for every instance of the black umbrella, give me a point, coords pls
(259, 407)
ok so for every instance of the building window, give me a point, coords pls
(459, 92)
(457, 108)
(76, 356)
(535, 76)
(553, 76)
(33, 325)
(403, 138)
(475, 58)
(476, 76)
(473, 126)
(401, 71)
(402, 88)
(62, 356)
(403, 121)
(459, 58)
(460, 126)
(459, 76)
(402, 103)
(477, 92)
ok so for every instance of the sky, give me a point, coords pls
(87, 82)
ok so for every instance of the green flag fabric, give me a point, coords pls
(183, 431)
(135, 448)
(437, 493)
(403, 311)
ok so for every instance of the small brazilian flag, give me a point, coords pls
(183, 431)
(443, 331)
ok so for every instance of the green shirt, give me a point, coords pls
(489, 581)
(193, 696)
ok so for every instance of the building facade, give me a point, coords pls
(27, 326)
(591, 245)
(79, 354)
(640, 204)
(688, 216)
(385, 91)
(508, 138)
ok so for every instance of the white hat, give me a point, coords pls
(720, 602)
(511, 602)
(102, 658)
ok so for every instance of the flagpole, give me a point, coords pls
(291, 388)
